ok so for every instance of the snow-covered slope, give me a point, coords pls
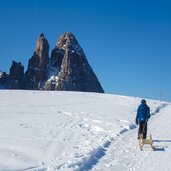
(41, 130)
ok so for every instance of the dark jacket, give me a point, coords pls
(143, 113)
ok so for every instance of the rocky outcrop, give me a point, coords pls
(36, 73)
(16, 75)
(75, 73)
(13, 80)
(42, 51)
(3, 79)
(67, 69)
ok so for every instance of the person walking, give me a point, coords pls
(143, 114)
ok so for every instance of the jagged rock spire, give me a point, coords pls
(42, 51)
(75, 72)
(67, 40)
(16, 75)
(67, 68)
(37, 67)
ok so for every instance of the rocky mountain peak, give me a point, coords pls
(75, 73)
(42, 46)
(67, 41)
(67, 68)
(37, 67)
(42, 35)
(16, 75)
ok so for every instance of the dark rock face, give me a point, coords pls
(3, 79)
(67, 68)
(75, 73)
(15, 79)
(16, 75)
(57, 57)
(36, 73)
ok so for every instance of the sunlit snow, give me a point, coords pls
(45, 130)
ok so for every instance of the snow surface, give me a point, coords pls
(57, 130)
(53, 75)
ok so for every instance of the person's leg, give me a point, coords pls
(145, 130)
(140, 130)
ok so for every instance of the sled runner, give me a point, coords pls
(142, 142)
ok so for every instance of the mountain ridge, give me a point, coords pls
(67, 68)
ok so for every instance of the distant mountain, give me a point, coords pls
(3, 79)
(66, 69)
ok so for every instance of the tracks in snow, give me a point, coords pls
(123, 153)
(115, 151)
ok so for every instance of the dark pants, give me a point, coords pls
(142, 129)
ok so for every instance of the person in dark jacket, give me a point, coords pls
(143, 114)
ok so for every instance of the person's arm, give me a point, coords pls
(137, 116)
(148, 113)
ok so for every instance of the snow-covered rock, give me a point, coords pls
(75, 73)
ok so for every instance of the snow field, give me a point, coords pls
(41, 130)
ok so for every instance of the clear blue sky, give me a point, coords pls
(127, 42)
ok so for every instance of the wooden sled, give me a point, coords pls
(142, 142)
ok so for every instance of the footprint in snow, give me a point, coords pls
(15, 155)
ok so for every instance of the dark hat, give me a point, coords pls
(143, 101)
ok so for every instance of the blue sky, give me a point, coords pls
(127, 43)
